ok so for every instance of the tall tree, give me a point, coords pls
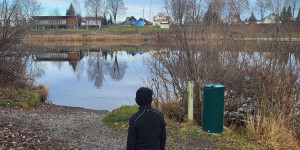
(261, 6)
(211, 17)
(93, 7)
(116, 7)
(237, 7)
(252, 18)
(104, 19)
(298, 18)
(289, 14)
(77, 6)
(110, 21)
(283, 16)
(70, 11)
(31, 8)
(294, 4)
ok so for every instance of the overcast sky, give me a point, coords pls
(134, 8)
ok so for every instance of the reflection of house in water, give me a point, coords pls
(72, 57)
(134, 52)
(59, 56)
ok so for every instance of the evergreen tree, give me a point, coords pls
(211, 17)
(70, 11)
(252, 18)
(283, 17)
(110, 22)
(298, 18)
(67, 12)
(289, 14)
(104, 20)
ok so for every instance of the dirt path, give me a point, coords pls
(57, 127)
(60, 127)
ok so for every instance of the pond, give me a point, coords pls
(94, 79)
(105, 78)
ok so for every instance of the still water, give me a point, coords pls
(94, 79)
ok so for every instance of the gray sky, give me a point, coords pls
(134, 8)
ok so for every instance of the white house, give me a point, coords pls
(92, 22)
(270, 19)
(233, 19)
(162, 21)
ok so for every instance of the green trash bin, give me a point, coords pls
(213, 108)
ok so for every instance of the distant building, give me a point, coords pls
(53, 22)
(233, 19)
(146, 22)
(132, 21)
(162, 21)
(92, 22)
(270, 19)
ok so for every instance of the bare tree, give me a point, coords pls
(218, 6)
(93, 7)
(55, 12)
(237, 7)
(294, 4)
(117, 70)
(274, 6)
(116, 7)
(12, 66)
(261, 7)
(77, 6)
(31, 8)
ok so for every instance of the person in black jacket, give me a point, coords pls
(147, 130)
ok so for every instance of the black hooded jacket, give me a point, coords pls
(146, 130)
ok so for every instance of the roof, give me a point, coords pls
(130, 18)
(52, 17)
(168, 17)
(93, 18)
(146, 21)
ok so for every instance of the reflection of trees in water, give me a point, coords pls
(57, 64)
(35, 69)
(116, 70)
(96, 70)
(79, 68)
(98, 66)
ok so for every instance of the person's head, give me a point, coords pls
(143, 96)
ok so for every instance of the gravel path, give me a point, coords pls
(57, 127)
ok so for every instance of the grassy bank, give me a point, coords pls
(22, 98)
(186, 132)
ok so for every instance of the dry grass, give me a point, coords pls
(273, 132)
(132, 38)
(42, 92)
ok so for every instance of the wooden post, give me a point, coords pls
(190, 100)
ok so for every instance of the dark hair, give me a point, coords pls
(143, 96)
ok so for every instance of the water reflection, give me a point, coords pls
(114, 76)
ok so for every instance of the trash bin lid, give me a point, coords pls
(214, 86)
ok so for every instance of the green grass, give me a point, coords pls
(224, 140)
(119, 117)
(186, 132)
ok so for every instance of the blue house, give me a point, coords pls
(132, 21)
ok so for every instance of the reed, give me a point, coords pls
(274, 131)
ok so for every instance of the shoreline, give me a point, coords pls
(52, 126)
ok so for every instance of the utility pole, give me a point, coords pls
(143, 17)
